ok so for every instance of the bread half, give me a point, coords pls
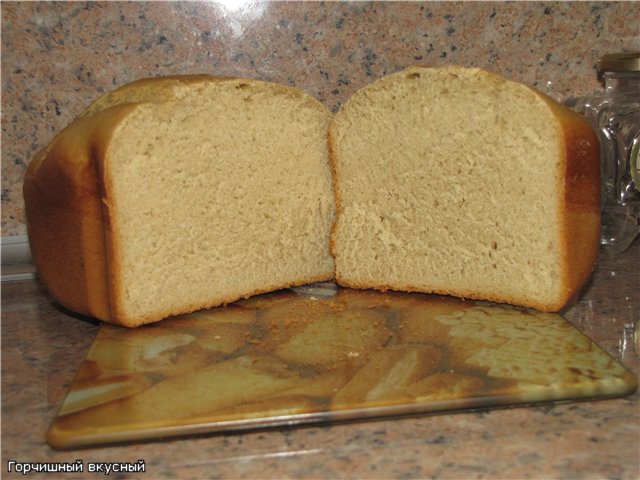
(176, 194)
(458, 181)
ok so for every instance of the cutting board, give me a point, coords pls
(323, 354)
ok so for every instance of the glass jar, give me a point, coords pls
(615, 115)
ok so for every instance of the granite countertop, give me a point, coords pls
(59, 56)
(43, 346)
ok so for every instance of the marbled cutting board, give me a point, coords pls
(322, 354)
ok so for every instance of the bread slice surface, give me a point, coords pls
(457, 181)
(213, 191)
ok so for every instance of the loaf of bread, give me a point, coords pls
(457, 181)
(180, 193)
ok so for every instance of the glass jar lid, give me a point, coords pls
(619, 62)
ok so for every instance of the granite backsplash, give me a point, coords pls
(59, 56)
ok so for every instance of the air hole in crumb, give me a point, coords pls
(494, 245)
(413, 76)
(242, 86)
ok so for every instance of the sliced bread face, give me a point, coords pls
(217, 197)
(191, 192)
(455, 181)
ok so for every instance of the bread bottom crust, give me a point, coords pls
(138, 321)
(469, 295)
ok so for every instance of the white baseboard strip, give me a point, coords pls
(17, 263)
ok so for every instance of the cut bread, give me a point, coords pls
(176, 194)
(457, 181)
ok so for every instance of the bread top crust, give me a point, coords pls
(175, 87)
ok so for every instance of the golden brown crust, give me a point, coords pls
(68, 215)
(64, 215)
(167, 88)
(152, 89)
(581, 214)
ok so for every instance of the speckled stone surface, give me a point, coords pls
(42, 348)
(59, 56)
